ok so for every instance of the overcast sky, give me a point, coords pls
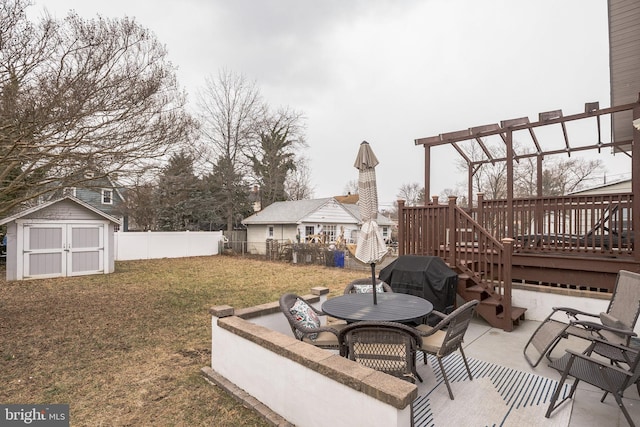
(387, 71)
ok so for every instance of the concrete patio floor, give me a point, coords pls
(505, 348)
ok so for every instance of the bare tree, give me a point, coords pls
(298, 182)
(559, 176)
(566, 176)
(81, 95)
(280, 136)
(139, 207)
(230, 110)
(351, 187)
(412, 194)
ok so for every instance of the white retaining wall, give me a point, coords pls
(307, 386)
(166, 244)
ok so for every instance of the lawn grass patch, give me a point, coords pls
(126, 348)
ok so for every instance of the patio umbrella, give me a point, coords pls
(371, 247)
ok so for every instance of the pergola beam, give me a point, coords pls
(489, 130)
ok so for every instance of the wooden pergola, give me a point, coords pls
(506, 130)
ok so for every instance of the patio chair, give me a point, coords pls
(616, 324)
(611, 378)
(388, 347)
(304, 320)
(446, 337)
(364, 286)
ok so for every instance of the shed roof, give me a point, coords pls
(53, 202)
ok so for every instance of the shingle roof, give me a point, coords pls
(292, 212)
(355, 211)
(289, 212)
(36, 208)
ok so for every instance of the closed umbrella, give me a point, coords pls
(371, 247)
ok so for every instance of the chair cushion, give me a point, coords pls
(305, 317)
(368, 289)
(431, 343)
(612, 322)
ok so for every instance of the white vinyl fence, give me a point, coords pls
(166, 244)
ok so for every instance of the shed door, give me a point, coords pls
(53, 250)
(85, 249)
(43, 250)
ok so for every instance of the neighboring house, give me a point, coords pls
(307, 221)
(616, 187)
(613, 217)
(63, 237)
(103, 194)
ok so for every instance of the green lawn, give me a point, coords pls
(125, 349)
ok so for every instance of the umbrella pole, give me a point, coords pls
(373, 283)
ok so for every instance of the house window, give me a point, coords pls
(107, 197)
(329, 233)
(385, 232)
(270, 232)
(69, 191)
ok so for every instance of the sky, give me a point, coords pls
(387, 71)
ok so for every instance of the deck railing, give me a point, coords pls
(450, 233)
(585, 224)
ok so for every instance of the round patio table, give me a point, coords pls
(391, 307)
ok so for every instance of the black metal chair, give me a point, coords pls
(615, 375)
(616, 324)
(384, 346)
(364, 286)
(304, 320)
(447, 336)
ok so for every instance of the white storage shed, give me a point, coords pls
(64, 237)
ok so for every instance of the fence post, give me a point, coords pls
(507, 243)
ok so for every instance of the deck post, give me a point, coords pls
(635, 176)
(480, 210)
(401, 228)
(507, 243)
(453, 227)
(427, 170)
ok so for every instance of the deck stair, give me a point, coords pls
(491, 308)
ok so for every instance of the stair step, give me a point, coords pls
(516, 312)
(491, 301)
(475, 288)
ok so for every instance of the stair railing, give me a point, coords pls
(448, 232)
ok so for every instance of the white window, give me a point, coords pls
(270, 232)
(329, 233)
(107, 196)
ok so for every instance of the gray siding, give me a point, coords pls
(66, 210)
(624, 58)
(93, 197)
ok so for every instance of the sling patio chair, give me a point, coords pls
(361, 286)
(388, 347)
(616, 324)
(447, 336)
(610, 377)
(304, 320)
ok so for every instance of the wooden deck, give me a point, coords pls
(571, 242)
